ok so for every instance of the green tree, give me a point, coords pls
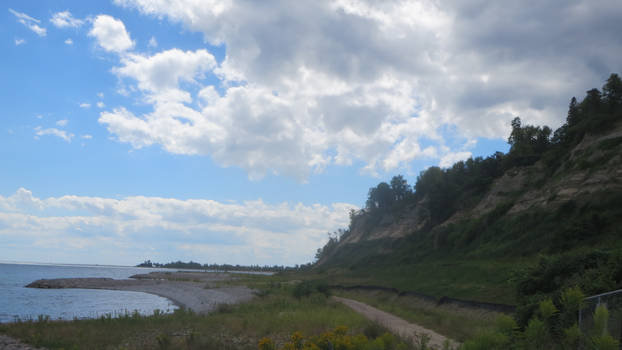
(592, 102)
(380, 197)
(400, 187)
(527, 142)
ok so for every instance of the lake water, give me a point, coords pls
(25, 303)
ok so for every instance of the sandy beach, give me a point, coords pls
(198, 291)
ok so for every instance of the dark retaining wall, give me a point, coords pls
(508, 309)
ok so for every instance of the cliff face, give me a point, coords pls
(592, 167)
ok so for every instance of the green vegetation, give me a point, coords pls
(340, 339)
(552, 327)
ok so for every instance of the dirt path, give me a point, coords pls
(397, 325)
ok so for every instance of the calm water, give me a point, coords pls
(24, 303)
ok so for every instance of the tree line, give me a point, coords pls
(191, 265)
(447, 190)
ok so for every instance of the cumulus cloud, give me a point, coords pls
(30, 22)
(110, 34)
(85, 105)
(451, 158)
(249, 232)
(19, 42)
(62, 122)
(165, 70)
(67, 136)
(100, 104)
(69, 41)
(334, 82)
(64, 19)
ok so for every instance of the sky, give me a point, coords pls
(242, 132)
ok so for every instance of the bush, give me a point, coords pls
(306, 288)
(374, 330)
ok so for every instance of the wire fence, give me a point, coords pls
(613, 301)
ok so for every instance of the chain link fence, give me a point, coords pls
(613, 302)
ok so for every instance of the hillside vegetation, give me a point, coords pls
(513, 227)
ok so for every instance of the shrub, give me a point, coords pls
(374, 330)
(537, 335)
(306, 288)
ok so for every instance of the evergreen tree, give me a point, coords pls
(612, 93)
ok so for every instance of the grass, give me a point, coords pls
(454, 322)
(275, 315)
(475, 279)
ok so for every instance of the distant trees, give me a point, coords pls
(222, 267)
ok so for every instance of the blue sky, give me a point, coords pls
(239, 132)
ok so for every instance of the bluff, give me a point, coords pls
(483, 227)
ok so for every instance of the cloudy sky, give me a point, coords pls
(242, 132)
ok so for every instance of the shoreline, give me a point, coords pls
(191, 290)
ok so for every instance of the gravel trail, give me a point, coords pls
(397, 325)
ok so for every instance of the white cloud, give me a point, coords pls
(85, 105)
(100, 95)
(62, 122)
(449, 159)
(30, 22)
(69, 41)
(153, 43)
(19, 42)
(100, 104)
(165, 70)
(86, 136)
(249, 232)
(110, 34)
(368, 84)
(64, 19)
(67, 136)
